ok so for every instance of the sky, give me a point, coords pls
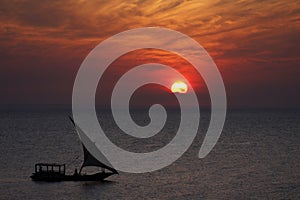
(255, 45)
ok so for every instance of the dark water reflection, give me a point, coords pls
(257, 157)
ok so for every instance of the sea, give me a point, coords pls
(256, 157)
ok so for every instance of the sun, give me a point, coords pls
(179, 87)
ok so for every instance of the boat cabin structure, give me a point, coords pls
(50, 168)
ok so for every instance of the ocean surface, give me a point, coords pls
(257, 157)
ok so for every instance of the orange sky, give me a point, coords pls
(255, 44)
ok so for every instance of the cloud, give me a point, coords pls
(243, 37)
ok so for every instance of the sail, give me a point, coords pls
(89, 159)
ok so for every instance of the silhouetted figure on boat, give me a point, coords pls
(75, 173)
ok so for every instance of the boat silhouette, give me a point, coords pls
(57, 172)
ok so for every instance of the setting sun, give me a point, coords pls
(179, 87)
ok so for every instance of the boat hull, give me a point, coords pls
(60, 177)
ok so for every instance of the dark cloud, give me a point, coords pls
(254, 43)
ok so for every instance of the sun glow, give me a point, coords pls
(179, 87)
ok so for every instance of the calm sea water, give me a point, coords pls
(257, 157)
